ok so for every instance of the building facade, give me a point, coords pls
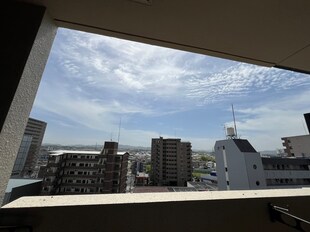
(240, 167)
(86, 172)
(171, 162)
(297, 146)
(21, 156)
(36, 129)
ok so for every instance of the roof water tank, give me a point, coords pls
(230, 131)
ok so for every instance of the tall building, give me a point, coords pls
(21, 156)
(240, 167)
(36, 129)
(171, 162)
(86, 172)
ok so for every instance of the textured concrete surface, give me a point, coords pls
(106, 199)
(153, 212)
(15, 122)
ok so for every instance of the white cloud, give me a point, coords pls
(103, 62)
(101, 78)
(265, 124)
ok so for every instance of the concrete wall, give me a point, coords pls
(255, 171)
(236, 166)
(153, 212)
(28, 35)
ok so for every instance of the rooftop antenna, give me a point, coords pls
(233, 112)
(111, 136)
(119, 129)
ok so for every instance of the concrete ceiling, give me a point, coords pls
(264, 32)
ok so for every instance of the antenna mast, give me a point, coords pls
(119, 129)
(233, 112)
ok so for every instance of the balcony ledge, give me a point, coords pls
(245, 210)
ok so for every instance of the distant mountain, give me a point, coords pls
(129, 147)
(94, 147)
(99, 147)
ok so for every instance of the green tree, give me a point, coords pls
(148, 168)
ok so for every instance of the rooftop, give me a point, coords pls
(61, 152)
(244, 145)
(13, 183)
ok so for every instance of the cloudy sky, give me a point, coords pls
(92, 82)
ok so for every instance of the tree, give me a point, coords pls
(148, 168)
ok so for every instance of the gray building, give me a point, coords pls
(171, 162)
(17, 188)
(239, 166)
(86, 172)
(36, 129)
(21, 156)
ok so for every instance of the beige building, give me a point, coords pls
(86, 172)
(171, 162)
(298, 146)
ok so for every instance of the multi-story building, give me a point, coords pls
(171, 162)
(36, 129)
(137, 166)
(86, 172)
(240, 167)
(298, 146)
(21, 156)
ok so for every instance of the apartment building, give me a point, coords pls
(298, 146)
(239, 167)
(36, 129)
(171, 162)
(86, 172)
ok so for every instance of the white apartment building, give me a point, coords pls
(239, 166)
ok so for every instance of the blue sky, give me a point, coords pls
(92, 81)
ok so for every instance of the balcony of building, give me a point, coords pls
(191, 211)
(29, 31)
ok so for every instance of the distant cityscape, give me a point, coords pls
(168, 165)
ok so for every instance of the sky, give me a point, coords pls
(93, 85)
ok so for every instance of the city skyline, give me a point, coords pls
(91, 82)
